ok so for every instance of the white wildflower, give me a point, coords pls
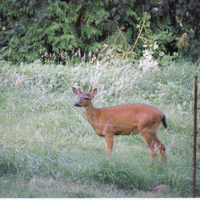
(155, 46)
(161, 53)
(147, 62)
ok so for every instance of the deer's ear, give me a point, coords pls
(93, 93)
(76, 91)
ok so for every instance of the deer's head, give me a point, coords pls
(84, 99)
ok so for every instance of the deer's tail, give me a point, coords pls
(164, 121)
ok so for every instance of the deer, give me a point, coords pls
(126, 119)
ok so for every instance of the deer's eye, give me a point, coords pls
(86, 99)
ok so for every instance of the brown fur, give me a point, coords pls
(124, 120)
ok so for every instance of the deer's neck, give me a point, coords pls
(90, 113)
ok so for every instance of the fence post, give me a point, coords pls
(195, 135)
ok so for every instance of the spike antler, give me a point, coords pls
(83, 88)
(90, 89)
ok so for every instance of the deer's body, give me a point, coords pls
(124, 120)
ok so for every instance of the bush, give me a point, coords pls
(185, 22)
(57, 30)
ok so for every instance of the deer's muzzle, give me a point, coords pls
(76, 104)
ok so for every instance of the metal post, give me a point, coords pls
(195, 136)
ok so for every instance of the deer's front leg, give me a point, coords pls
(109, 143)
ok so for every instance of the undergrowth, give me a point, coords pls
(48, 149)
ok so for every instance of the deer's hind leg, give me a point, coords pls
(154, 144)
(162, 150)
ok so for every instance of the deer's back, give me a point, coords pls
(130, 110)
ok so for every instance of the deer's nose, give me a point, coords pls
(76, 104)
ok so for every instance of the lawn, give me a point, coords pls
(48, 149)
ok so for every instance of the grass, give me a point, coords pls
(48, 149)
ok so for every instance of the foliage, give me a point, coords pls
(185, 23)
(57, 30)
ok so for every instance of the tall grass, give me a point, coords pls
(47, 144)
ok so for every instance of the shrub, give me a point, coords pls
(58, 30)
